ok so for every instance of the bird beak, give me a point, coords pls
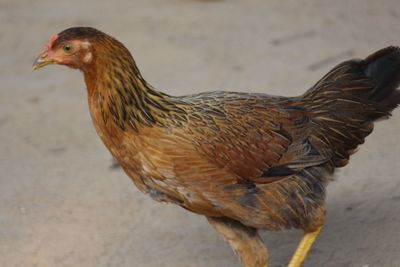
(42, 60)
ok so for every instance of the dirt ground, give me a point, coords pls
(61, 202)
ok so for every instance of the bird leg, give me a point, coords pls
(244, 240)
(303, 248)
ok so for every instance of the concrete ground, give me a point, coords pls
(61, 202)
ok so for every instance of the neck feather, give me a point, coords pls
(123, 95)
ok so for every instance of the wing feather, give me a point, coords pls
(259, 138)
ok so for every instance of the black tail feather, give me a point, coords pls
(383, 67)
(347, 101)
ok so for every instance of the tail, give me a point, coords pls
(347, 101)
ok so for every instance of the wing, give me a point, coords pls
(258, 138)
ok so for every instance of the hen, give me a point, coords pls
(245, 161)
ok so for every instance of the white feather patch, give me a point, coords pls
(86, 44)
(88, 57)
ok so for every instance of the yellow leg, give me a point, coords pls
(304, 247)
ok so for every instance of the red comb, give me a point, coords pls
(52, 41)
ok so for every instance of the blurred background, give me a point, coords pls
(62, 203)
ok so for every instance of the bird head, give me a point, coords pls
(71, 47)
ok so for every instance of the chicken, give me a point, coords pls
(245, 161)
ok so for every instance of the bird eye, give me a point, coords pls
(67, 48)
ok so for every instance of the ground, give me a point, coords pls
(61, 202)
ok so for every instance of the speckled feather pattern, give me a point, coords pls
(261, 160)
